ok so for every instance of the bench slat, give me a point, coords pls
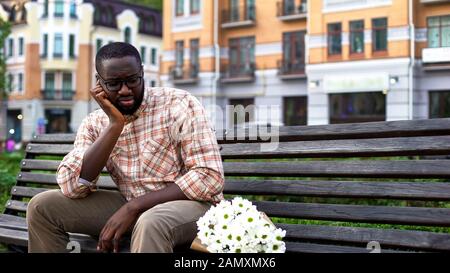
(404, 128)
(26, 191)
(317, 132)
(297, 247)
(358, 213)
(384, 190)
(54, 138)
(16, 205)
(333, 212)
(105, 182)
(12, 222)
(357, 169)
(42, 165)
(438, 145)
(14, 237)
(409, 239)
(49, 149)
(353, 168)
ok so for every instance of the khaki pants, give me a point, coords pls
(51, 216)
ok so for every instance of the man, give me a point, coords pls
(159, 149)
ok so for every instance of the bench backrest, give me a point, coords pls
(333, 187)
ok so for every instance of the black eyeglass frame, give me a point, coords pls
(137, 75)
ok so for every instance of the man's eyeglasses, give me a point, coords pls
(116, 85)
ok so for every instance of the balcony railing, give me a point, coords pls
(290, 11)
(240, 16)
(184, 74)
(238, 73)
(434, 1)
(49, 94)
(291, 69)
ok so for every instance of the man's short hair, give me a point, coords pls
(116, 50)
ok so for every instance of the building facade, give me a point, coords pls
(50, 58)
(312, 62)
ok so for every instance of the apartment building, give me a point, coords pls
(50, 58)
(320, 62)
(242, 52)
(377, 60)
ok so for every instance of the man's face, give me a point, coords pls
(121, 78)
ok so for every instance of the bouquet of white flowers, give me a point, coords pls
(238, 227)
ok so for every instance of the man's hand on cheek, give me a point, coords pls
(99, 94)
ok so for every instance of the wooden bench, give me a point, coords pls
(339, 186)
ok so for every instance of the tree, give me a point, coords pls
(5, 30)
(157, 4)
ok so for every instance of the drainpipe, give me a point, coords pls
(217, 61)
(411, 60)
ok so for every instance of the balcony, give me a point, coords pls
(238, 73)
(184, 75)
(436, 58)
(434, 1)
(239, 17)
(288, 11)
(291, 69)
(65, 95)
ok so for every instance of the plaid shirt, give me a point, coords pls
(167, 140)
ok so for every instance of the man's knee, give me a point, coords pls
(152, 221)
(41, 204)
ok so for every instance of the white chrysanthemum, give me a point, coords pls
(238, 226)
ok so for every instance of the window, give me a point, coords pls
(250, 12)
(59, 8)
(58, 46)
(20, 46)
(127, 35)
(334, 39)
(45, 45)
(238, 116)
(154, 56)
(234, 10)
(45, 14)
(10, 83)
(179, 6)
(439, 104)
(357, 37)
(195, 6)
(179, 53)
(10, 47)
(242, 56)
(439, 31)
(98, 44)
(152, 83)
(295, 111)
(73, 9)
(194, 56)
(379, 34)
(20, 87)
(49, 81)
(143, 54)
(357, 107)
(288, 7)
(72, 46)
(67, 86)
(293, 52)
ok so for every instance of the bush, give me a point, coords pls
(9, 167)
